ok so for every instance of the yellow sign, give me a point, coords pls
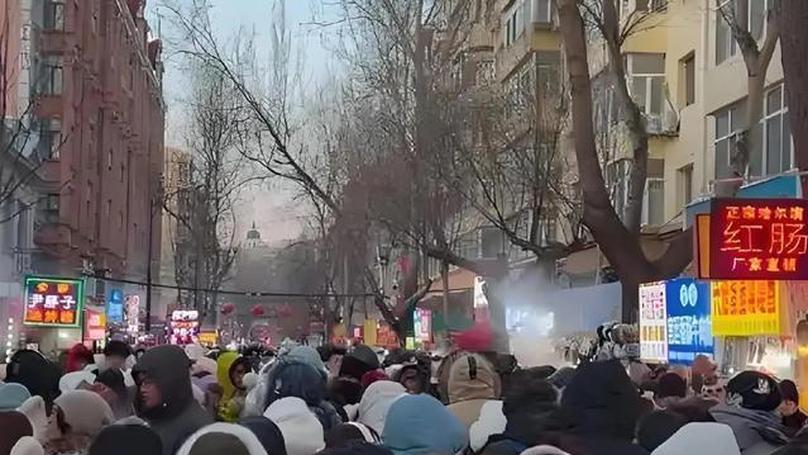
(745, 308)
(370, 327)
(208, 338)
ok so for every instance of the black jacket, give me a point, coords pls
(179, 415)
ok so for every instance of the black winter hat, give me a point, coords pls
(117, 348)
(754, 390)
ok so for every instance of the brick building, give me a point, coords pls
(85, 75)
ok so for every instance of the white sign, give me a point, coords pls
(653, 323)
(480, 300)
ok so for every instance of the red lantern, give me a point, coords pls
(257, 311)
(228, 308)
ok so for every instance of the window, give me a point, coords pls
(52, 208)
(55, 15)
(514, 22)
(654, 197)
(688, 72)
(776, 133)
(726, 126)
(646, 74)
(548, 72)
(725, 46)
(542, 11)
(50, 141)
(684, 178)
(491, 242)
(52, 75)
(109, 160)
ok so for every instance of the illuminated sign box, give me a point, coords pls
(689, 321)
(53, 302)
(745, 308)
(756, 239)
(653, 323)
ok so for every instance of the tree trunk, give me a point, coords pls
(444, 274)
(794, 46)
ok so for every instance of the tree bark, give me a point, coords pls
(794, 47)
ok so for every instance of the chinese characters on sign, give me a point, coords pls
(745, 308)
(53, 301)
(759, 239)
(689, 325)
(653, 337)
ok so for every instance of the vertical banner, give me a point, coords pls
(687, 303)
(653, 323)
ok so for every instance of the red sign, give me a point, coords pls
(759, 239)
(53, 301)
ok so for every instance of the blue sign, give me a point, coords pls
(689, 323)
(115, 306)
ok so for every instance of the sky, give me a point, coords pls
(271, 207)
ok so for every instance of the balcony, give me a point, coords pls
(54, 41)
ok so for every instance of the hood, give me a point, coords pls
(126, 440)
(376, 402)
(77, 357)
(204, 366)
(750, 426)
(168, 367)
(601, 401)
(491, 421)
(223, 365)
(36, 373)
(359, 361)
(420, 425)
(267, 433)
(86, 412)
(34, 409)
(220, 438)
(291, 378)
(75, 380)
(309, 356)
(472, 377)
(12, 396)
(27, 445)
(694, 437)
(15, 425)
(302, 432)
(346, 434)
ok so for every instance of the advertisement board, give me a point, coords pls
(115, 306)
(758, 239)
(96, 325)
(183, 327)
(653, 326)
(422, 322)
(687, 303)
(745, 308)
(131, 305)
(53, 302)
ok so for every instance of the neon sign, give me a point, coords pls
(759, 239)
(54, 302)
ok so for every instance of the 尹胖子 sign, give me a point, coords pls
(55, 302)
(758, 239)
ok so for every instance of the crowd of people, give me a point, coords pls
(300, 400)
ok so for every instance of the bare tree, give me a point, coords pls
(793, 16)
(202, 203)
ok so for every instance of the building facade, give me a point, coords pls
(85, 78)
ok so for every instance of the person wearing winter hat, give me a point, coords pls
(34, 408)
(373, 376)
(357, 448)
(309, 356)
(13, 426)
(793, 418)
(36, 373)
(302, 432)
(126, 440)
(655, 428)
(492, 421)
(76, 380)
(267, 433)
(696, 438)
(230, 372)
(472, 383)
(79, 417)
(12, 396)
(603, 406)
(222, 438)
(78, 357)
(421, 425)
(670, 390)
(359, 361)
(749, 409)
(376, 402)
(27, 445)
(291, 378)
(344, 434)
(164, 396)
